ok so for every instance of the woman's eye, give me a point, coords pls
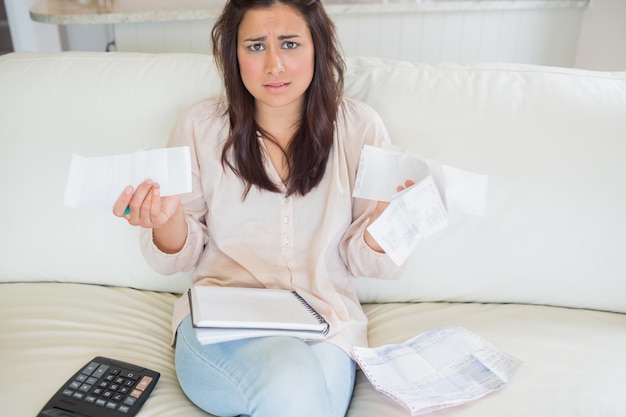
(256, 47)
(290, 45)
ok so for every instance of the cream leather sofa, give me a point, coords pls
(542, 275)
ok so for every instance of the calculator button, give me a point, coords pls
(129, 401)
(129, 374)
(100, 371)
(123, 409)
(101, 402)
(144, 383)
(90, 368)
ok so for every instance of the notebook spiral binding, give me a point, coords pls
(317, 315)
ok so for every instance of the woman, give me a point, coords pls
(273, 164)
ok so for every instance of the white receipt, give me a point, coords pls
(418, 211)
(414, 213)
(438, 369)
(381, 170)
(465, 191)
(95, 183)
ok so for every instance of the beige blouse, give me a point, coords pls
(312, 244)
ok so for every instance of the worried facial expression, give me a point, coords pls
(276, 56)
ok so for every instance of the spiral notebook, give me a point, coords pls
(228, 313)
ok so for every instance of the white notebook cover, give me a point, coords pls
(252, 308)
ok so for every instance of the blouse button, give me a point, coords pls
(286, 240)
(286, 219)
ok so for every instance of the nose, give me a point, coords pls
(274, 62)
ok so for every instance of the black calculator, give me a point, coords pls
(104, 387)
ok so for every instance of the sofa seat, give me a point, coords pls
(557, 346)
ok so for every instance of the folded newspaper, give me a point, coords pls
(441, 368)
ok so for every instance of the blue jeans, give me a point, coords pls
(264, 377)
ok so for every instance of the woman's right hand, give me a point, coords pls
(144, 206)
(164, 215)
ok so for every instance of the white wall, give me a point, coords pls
(533, 36)
(542, 36)
(602, 43)
(86, 37)
(28, 35)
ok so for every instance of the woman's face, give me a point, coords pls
(276, 56)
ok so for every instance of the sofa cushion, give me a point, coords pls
(572, 359)
(572, 363)
(553, 144)
(49, 330)
(55, 105)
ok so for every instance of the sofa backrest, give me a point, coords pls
(91, 104)
(552, 142)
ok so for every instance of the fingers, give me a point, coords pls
(123, 201)
(136, 205)
(380, 208)
(382, 205)
(142, 213)
(155, 212)
(407, 184)
(140, 204)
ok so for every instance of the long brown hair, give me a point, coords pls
(307, 153)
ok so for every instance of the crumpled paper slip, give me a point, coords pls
(95, 183)
(420, 210)
(413, 214)
(437, 369)
(382, 169)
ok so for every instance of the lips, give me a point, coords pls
(276, 85)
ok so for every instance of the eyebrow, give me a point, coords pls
(264, 38)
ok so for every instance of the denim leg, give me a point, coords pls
(264, 377)
(339, 370)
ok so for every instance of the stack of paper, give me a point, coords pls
(442, 368)
(228, 313)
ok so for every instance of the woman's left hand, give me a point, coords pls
(380, 207)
